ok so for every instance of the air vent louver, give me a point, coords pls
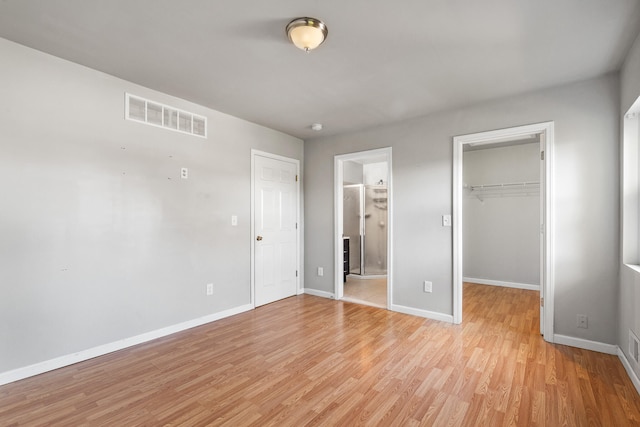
(155, 114)
(634, 347)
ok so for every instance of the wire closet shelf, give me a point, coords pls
(511, 189)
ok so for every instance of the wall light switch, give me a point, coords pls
(320, 271)
(234, 220)
(446, 220)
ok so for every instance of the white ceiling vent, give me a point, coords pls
(155, 114)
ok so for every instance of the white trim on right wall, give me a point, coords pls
(546, 130)
(627, 366)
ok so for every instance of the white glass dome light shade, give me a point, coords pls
(307, 33)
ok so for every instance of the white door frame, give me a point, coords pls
(338, 226)
(547, 279)
(299, 280)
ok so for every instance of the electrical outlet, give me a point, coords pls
(428, 286)
(582, 321)
(209, 288)
(234, 220)
(184, 173)
(320, 271)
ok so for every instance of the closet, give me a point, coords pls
(501, 215)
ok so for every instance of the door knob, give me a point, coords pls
(259, 238)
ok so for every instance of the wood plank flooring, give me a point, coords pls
(313, 361)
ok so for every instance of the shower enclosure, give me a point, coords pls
(365, 223)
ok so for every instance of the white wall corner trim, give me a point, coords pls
(627, 366)
(586, 344)
(422, 313)
(503, 284)
(101, 350)
(318, 293)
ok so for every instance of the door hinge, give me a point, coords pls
(542, 302)
(541, 228)
(296, 225)
(296, 273)
(542, 155)
(296, 178)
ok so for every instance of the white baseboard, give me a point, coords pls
(503, 284)
(586, 344)
(318, 293)
(422, 313)
(70, 359)
(627, 366)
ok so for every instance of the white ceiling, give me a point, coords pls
(383, 60)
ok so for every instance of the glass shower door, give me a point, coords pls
(375, 230)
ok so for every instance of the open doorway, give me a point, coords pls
(539, 139)
(501, 232)
(363, 218)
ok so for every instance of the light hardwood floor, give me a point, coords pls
(366, 291)
(313, 361)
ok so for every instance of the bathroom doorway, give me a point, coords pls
(363, 227)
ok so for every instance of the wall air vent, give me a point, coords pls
(155, 114)
(634, 347)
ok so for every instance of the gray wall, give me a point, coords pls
(630, 77)
(353, 173)
(502, 233)
(629, 295)
(100, 238)
(376, 172)
(586, 116)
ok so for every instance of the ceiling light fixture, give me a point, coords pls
(317, 127)
(307, 33)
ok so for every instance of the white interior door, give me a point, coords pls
(275, 246)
